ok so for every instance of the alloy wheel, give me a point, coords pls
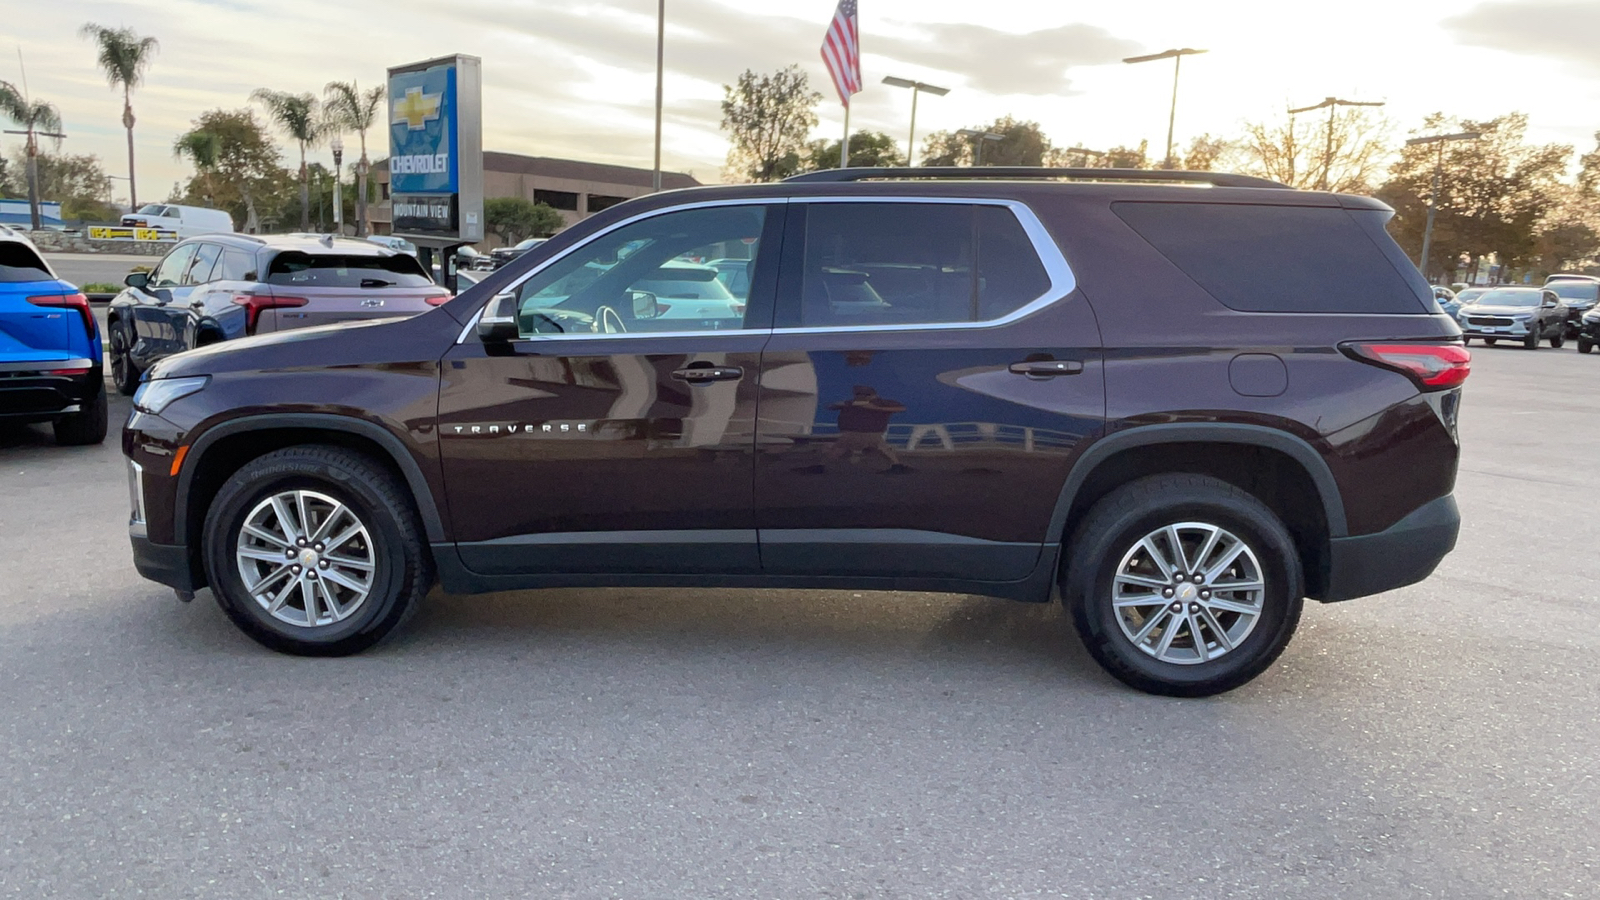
(306, 558)
(1188, 593)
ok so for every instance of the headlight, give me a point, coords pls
(154, 396)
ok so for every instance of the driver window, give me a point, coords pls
(169, 273)
(655, 275)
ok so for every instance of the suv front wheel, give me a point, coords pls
(316, 551)
(1183, 585)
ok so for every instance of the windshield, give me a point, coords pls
(152, 209)
(1510, 297)
(301, 269)
(529, 244)
(1471, 295)
(1575, 290)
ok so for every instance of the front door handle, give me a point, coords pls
(704, 374)
(1046, 368)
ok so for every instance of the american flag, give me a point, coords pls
(841, 51)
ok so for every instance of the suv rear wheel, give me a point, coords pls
(87, 426)
(315, 551)
(124, 372)
(1183, 585)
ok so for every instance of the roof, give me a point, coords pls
(26, 221)
(311, 243)
(577, 170)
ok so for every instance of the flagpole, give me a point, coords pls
(844, 148)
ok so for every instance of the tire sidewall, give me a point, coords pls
(1275, 552)
(267, 477)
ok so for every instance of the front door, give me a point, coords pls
(929, 377)
(155, 333)
(616, 436)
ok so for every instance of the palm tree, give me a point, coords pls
(357, 111)
(300, 117)
(38, 119)
(124, 56)
(202, 148)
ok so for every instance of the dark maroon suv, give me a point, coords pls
(1186, 400)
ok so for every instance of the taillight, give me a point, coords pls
(438, 299)
(1434, 367)
(254, 303)
(72, 301)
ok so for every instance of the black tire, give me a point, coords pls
(1119, 521)
(1531, 342)
(1466, 341)
(402, 571)
(86, 427)
(1489, 341)
(124, 371)
(1585, 345)
(1556, 340)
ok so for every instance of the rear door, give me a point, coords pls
(343, 287)
(612, 438)
(30, 333)
(930, 374)
(184, 310)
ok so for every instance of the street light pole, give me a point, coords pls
(1438, 177)
(337, 146)
(661, 56)
(979, 138)
(1332, 105)
(1176, 56)
(916, 87)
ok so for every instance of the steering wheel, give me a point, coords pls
(609, 321)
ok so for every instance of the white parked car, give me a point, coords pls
(187, 221)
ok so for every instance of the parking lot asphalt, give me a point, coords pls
(1438, 741)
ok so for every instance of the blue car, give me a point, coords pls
(50, 360)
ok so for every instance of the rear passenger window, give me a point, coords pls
(915, 264)
(205, 260)
(295, 267)
(18, 263)
(1281, 258)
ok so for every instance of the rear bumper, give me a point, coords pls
(1405, 553)
(163, 563)
(30, 393)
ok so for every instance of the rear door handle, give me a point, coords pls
(1046, 368)
(703, 374)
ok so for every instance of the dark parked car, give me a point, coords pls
(220, 287)
(1525, 314)
(1589, 331)
(1578, 295)
(50, 361)
(499, 256)
(992, 387)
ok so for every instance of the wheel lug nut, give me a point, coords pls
(289, 554)
(300, 542)
(1178, 577)
(1177, 607)
(297, 568)
(317, 547)
(1198, 579)
(1205, 595)
(1167, 593)
(322, 564)
(1193, 607)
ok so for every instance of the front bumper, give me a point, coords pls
(173, 566)
(1403, 554)
(1517, 330)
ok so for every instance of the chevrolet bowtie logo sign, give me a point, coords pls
(416, 109)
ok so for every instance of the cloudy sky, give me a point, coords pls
(575, 78)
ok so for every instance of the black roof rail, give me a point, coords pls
(1216, 179)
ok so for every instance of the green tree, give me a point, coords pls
(238, 164)
(77, 182)
(300, 117)
(516, 219)
(767, 118)
(356, 110)
(37, 118)
(867, 148)
(1022, 144)
(1295, 151)
(123, 57)
(1496, 193)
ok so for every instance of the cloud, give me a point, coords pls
(1000, 62)
(1560, 30)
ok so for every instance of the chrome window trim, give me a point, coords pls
(1062, 279)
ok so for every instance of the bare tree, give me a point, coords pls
(1295, 151)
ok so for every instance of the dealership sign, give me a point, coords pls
(436, 151)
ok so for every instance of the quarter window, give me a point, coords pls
(651, 276)
(915, 264)
(237, 265)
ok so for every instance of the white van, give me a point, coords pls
(187, 221)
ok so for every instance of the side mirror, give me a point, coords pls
(498, 324)
(644, 305)
(137, 279)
